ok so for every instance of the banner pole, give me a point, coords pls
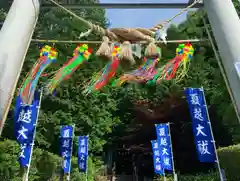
(214, 143)
(61, 178)
(87, 159)
(164, 176)
(173, 165)
(87, 170)
(26, 174)
(69, 174)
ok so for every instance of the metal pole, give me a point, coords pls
(87, 170)
(226, 32)
(87, 160)
(15, 37)
(100, 42)
(173, 165)
(214, 143)
(69, 175)
(61, 178)
(25, 177)
(164, 176)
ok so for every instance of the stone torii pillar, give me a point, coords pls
(225, 25)
(15, 37)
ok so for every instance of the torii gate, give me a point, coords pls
(17, 30)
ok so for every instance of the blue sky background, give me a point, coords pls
(145, 18)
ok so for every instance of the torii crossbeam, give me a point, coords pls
(72, 4)
(126, 6)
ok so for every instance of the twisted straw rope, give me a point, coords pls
(135, 34)
(161, 25)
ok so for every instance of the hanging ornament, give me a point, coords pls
(81, 55)
(100, 79)
(143, 73)
(176, 68)
(126, 52)
(48, 55)
(104, 50)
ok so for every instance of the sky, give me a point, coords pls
(145, 18)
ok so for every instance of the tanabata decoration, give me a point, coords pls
(81, 55)
(144, 72)
(100, 79)
(48, 55)
(176, 68)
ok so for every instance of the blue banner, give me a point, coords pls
(201, 124)
(66, 137)
(25, 123)
(165, 145)
(157, 162)
(82, 153)
(24, 157)
(25, 117)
